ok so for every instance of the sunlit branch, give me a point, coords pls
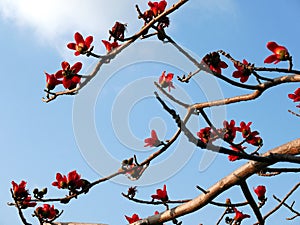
(224, 184)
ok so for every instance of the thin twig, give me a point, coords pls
(289, 207)
(282, 201)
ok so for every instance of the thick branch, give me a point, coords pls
(242, 173)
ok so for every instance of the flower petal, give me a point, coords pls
(71, 46)
(65, 65)
(76, 67)
(88, 41)
(270, 59)
(78, 38)
(271, 45)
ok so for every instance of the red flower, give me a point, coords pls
(242, 72)
(132, 219)
(69, 74)
(28, 203)
(296, 96)
(80, 46)
(153, 141)
(238, 148)
(51, 81)
(260, 191)
(19, 189)
(117, 31)
(204, 134)
(157, 7)
(161, 194)
(110, 45)
(46, 212)
(61, 181)
(229, 130)
(71, 182)
(280, 53)
(214, 62)
(166, 80)
(239, 216)
(74, 180)
(250, 136)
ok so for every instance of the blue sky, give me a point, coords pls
(38, 139)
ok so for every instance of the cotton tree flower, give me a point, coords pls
(242, 72)
(280, 53)
(239, 216)
(110, 45)
(161, 194)
(133, 218)
(260, 191)
(69, 74)
(166, 80)
(295, 96)
(152, 141)
(81, 45)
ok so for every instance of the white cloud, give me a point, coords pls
(53, 20)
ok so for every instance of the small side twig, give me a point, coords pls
(290, 207)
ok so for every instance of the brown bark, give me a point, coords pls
(241, 174)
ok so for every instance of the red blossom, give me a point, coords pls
(72, 181)
(238, 148)
(161, 194)
(117, 31)
(280, 53)
(166, 80)
(28, 203)
(19, 190)
(153, 141)
(133, 218)
(51, 81)
(46, 212)
(260, 191)
(110, 45)
(214, 62)
(229, 130)
(80, 46)
(295, 96)
(132, 191)
(69, 74)
(242, 72)
(157, 7)
(250, 136)
(61, 181)
(239, 216)
(204, 134)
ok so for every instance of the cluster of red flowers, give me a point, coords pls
(46, 213)
(156, 8)
(72, 182)
(215, 64)
(228, 133)
(21, 195)
(68, 76)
